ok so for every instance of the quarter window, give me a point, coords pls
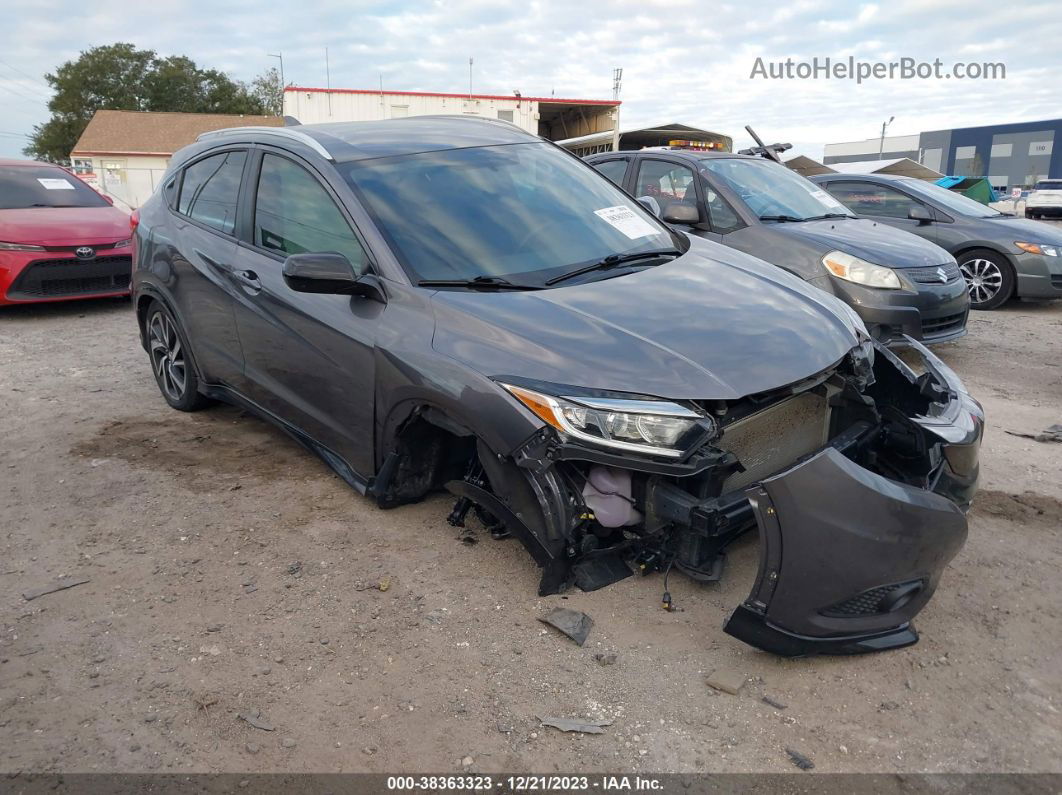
(294, 214)
(867, 198)
(209, 190)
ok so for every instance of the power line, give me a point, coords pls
(11, 90)
(24, 74)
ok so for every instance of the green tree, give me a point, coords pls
(121, 77)
(269, 91)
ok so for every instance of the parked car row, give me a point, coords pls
(452, 303)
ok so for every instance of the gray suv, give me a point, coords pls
(897, 283)
(451, 303)
(1000, 255)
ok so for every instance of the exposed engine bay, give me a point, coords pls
(874, 460)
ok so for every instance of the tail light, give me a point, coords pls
(134, 220)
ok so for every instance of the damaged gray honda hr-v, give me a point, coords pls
(450, 303)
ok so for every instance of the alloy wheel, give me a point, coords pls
(167, 356)
(983, 279)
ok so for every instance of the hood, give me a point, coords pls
(60, 226)
(877, 243)
(711, 324)
(1008, 228)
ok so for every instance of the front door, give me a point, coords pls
(883, 204)
(308, 358)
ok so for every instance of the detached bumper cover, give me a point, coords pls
(848, 558)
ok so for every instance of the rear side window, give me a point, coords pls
(209, 190)
(613, 169)
(295, 214)
(867, 198)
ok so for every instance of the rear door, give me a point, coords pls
(882, 203)
(308, 358)
(199, 259)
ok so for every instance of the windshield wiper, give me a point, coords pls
(827, 216)
(612, 261)
(780, 218)
(478, 283)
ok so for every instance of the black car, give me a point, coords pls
(898, 283)
(1001, 256)
(433, 303)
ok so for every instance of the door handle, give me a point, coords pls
(248, 278)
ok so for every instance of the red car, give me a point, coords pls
(59, 239)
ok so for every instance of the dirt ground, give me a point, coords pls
(230, 573)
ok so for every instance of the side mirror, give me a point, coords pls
(679, 213)
(920, 214)
(108, 199)
(329, 274)
(651, 204)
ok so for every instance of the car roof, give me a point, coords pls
(364, 140)
(10, 161)
(685, 154)
(863, 177)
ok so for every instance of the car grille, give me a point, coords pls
(56, 278)
(770, 440)
(869, 603)
(939, 326)
(931, 275)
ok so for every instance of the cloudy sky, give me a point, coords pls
(685, 61)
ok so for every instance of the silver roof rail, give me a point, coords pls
(283, 132)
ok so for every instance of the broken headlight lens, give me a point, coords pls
(655, 427)
(853, 269)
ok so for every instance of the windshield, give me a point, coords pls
(521, 212)
(1048, 186)
(770, 189)
(44, 186)
(949, 199)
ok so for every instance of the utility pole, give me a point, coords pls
(617, 85)
(470, 78)
(881, 145)
(283, 85)
(328, 83)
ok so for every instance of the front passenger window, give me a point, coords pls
(294, 214)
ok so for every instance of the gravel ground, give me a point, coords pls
(231, 574)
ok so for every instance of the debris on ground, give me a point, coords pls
(254, 717)
(385, 583)
(61, 585)
(577, 725)
(728, 680)
(799, 759)
(287, 742)
(213, 650)
(770, 701)
(573, 623)
(603, 658)
(295, 569)
(1052, 433)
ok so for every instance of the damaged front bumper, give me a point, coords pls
(854, 535)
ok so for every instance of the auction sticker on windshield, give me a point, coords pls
(55, 184)
(624, 219)
(826, 198)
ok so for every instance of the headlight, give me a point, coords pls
(1038, 248)
(122, 243)
(854, 269)
(655, 427)
(19, 247)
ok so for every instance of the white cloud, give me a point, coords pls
(686, 63)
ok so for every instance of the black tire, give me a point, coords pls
(171, 360)
(989, 278)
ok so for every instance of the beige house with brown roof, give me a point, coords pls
(124, 153)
